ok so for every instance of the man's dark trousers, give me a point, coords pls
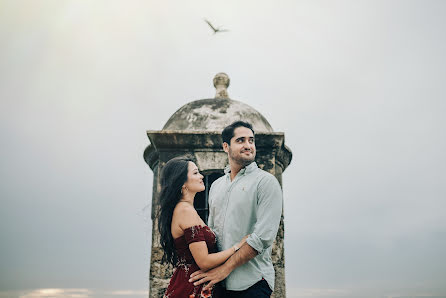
(258, 290)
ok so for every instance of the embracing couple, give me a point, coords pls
(231, 256)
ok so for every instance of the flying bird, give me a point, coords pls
(216, 30)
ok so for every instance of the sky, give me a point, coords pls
(356, 86)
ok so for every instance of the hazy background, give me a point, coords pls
(358, 87)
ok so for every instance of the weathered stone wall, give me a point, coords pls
(160, 273)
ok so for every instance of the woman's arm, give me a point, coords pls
(207, 261)
(188, 217)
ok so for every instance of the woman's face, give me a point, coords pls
(194, 181)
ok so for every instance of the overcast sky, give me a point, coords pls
(358, 87)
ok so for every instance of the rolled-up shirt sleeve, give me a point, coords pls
(269, 211)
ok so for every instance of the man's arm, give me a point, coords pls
(243, 255)
(269, 211)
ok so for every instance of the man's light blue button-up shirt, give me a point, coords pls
(250, 204)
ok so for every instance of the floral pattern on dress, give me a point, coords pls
(179, 285)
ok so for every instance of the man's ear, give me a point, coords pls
(226, 147)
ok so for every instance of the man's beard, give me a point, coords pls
(240, 160)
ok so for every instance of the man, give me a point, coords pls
(246, 200)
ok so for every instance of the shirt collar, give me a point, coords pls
(248, 169)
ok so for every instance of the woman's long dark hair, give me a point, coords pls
(173, 177)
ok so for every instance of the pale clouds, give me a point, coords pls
(72, 293)
(355, 293)
(57, 293)
(129, 293)
(357, 87)
(323, 293)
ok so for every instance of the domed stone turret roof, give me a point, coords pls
(214, 114)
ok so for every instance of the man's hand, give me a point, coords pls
(243, 255)
(213, 276)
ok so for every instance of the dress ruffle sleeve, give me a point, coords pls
(194, 234)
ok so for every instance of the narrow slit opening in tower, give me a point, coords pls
(201, 202)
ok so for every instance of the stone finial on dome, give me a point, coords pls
(221, 84)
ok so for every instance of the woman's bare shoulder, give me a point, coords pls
(186, 216)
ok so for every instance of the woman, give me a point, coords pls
(188, 243)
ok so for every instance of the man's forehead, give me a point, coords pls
(243, 132)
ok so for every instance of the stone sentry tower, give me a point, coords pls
(195, 129)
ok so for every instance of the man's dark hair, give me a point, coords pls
(228, 133)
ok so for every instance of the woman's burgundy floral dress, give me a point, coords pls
(179, 285)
